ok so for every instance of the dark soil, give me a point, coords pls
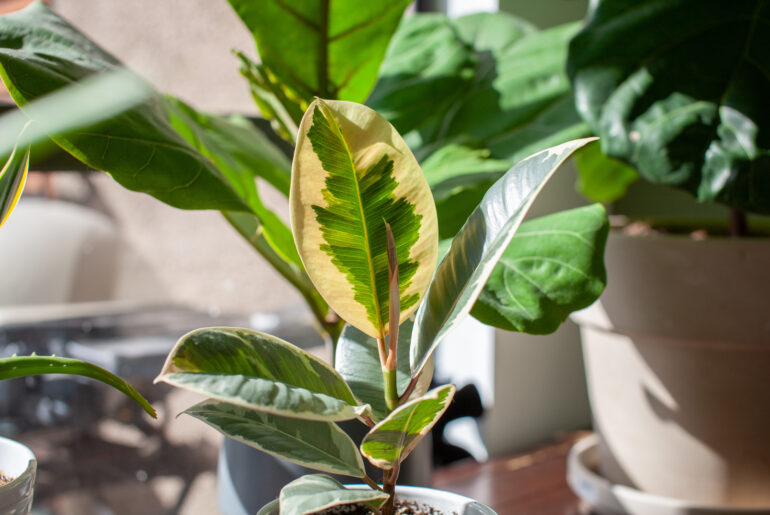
(402, 508)
(4, 480)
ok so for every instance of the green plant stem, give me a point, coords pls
(391, 388)
(389, 478)
(369, 481)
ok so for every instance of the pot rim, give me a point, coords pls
(29, 471)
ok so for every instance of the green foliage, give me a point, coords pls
(317, 492)
(550, 269)
(686, 105)
(23, 366)
(602, 178)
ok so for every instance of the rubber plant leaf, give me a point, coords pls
(314, 444)
(324, 48)
(13, 176)
(685, 106)
(41, 53)
(358, 362)
(552, 267)
(474, 252)
(351, 174)
(389, 442)
(23, 366)
(317, 492)
(258, 371)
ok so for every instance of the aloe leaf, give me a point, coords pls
(318, 445)
(13, 176)
(352, 174)
(390, 441)
(316, 492)
(358, 362)
(258, 371)
(475, 251)
(41, 53)
(685, 105)
(329, 49)
(22, 366)
(552, 267)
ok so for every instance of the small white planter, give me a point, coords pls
(447, 502)
(16, 461)
(677, 356)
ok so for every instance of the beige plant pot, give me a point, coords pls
(677, 356)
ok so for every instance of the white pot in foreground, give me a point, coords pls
(18, 462)
(446, 502)
(677, 356)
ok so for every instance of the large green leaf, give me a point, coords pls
(352, 174)
(358, 362)
(40, 53)
(552, 267)
(602, 178)
(475, 251)
(259, 371)
(391, 441)
(316, 492)
(318, 445)
(324, 48)
(23, 366)
(685, 103)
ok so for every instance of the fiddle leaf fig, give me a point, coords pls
(686, 105)
(551, 268)
(324, 48)
(352, 174)
(314, 444)
(474, 252)
(258, 371)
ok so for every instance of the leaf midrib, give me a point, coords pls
(367, 247)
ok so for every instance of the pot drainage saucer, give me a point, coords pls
(606, 498)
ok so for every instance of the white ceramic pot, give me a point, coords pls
(18, 462)
(677, 356)
(446, 502)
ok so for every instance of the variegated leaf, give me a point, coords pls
(316, 492)
(12, 179)
(475, 251)
(391, 441)
(258, 371)
(351, 174)
(314, 444)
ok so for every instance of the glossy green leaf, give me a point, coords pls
(40, 53)
(23, 366)
(352, 173)
(316, 492)
(602, 178)
(685, 104)
(13, 176)
(323, 48)
(255, 370)
(390, 442)
(553, 266)
(475, 251)
(358, 362)
(317, 445)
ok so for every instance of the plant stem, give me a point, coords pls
(369, 481)
(389, 478)
(391, 388)
(739, 226)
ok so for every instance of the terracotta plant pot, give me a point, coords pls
(18, 462)
(445, 502)
(677, 355)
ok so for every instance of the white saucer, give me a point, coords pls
(605, 498)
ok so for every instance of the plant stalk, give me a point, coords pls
(391, 388)
(389, 478)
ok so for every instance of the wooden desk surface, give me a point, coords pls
(531, 483)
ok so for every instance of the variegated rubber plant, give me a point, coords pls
(364, 224)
